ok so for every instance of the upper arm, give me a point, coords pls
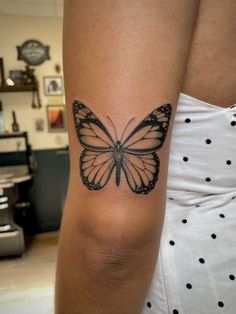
(122, 59)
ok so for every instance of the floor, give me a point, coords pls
(27, 283)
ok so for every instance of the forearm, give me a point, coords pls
(124, 59)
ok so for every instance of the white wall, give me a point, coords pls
(14, 30)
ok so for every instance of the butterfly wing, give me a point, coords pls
(96, 168)
(149, 135)
(141, 171)
(140, 163)
(97, 159)
(91, 132)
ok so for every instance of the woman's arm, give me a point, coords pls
(122, 59)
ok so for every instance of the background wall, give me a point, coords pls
(47, 193)
(14, 30)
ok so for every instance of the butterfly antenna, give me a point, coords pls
(113, 126)
(126, 128)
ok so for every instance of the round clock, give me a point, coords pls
(33, 52)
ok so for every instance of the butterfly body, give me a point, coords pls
(132, 156)
(118, 156)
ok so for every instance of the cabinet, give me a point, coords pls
(28, 151)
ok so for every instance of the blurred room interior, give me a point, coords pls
(34, 163)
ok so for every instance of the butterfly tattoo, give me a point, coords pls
(133, 154)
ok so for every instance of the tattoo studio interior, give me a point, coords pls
(34, 162)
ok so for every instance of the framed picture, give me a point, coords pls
(56, 118)
(17, 77)
(53, 85)
(2, 77)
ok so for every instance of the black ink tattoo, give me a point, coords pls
(133, 154)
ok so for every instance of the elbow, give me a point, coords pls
(114, 248)
(107, 262)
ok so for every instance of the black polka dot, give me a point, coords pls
(184, 221)
(201, 260)
(231, 277)
(189, 286)
(233, 123)
(228, 162)
(171, 198)
(149, 304)
(185, 158)
(213, 235)
(233, 197)
(220, 304)
(197, 205)
(232, 106)
(175, 311)
(208, 141)
(187, 120)
(222, 215)
(171, 242)
(208, 179)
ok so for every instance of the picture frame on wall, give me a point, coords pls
(56, 115)
(53, 85)
(17, 76)
(2, 76)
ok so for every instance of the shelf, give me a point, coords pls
(13, 135)
(15, 88)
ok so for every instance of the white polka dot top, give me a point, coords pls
(196, 267)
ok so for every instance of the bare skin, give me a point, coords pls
(211, 69)
(123, 59)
